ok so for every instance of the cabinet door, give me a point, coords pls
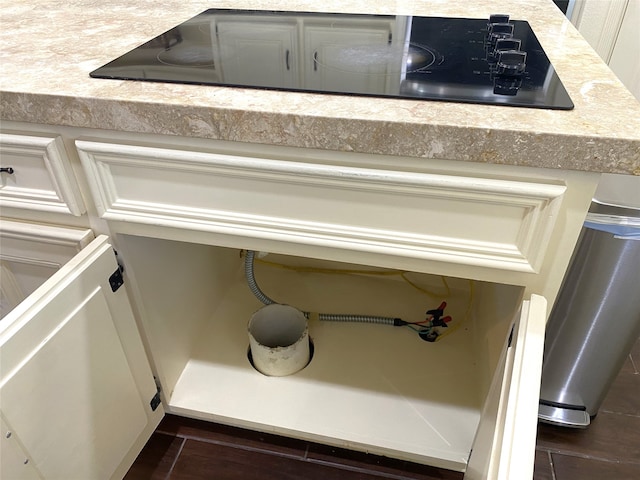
(504, 447)
(339, 58)
(78, 395)
(266, 52)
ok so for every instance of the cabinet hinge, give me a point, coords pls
(116, 280)
(510, 336)
(155, 401)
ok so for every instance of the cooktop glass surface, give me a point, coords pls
(488, 61)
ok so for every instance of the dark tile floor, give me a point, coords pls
(185, 449)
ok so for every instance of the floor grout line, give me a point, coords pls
(633, 364)
(175, 460)
(553, 469)
(622, 414)
(366, 471)
(306, 452)
(246, 448)
(569, 453)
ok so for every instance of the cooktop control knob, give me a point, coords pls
(499, 31)
(508, 44)
(503, 44)
(511, 63)
(498, 18)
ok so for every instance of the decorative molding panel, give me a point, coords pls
(476, 221)
(73, 238)
(42, 177)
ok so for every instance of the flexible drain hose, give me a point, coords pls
(325, 317)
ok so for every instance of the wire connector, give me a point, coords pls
(435, 319)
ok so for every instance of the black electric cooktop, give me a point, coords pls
(488, 61)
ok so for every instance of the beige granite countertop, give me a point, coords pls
(50, 46)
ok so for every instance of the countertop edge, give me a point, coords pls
(369, 136)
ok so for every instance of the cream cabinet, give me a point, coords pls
(488, 240)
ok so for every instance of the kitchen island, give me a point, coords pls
(50, 49)
(485, 200)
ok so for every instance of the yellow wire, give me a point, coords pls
(425, 291)
(402, 274)
(328, 270)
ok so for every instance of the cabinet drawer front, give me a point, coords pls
(476, 221)
(40, 175)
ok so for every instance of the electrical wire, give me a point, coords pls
(422, 327)
(455, 327)
(253, 286)
(385, 273)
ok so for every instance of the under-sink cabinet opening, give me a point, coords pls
(373, 387)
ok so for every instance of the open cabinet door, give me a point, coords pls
(77, 396)
(504, 447)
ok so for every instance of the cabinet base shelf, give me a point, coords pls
(398, 396)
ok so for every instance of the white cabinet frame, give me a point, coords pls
(411, 214)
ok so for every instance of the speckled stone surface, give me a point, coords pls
(50, 46)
